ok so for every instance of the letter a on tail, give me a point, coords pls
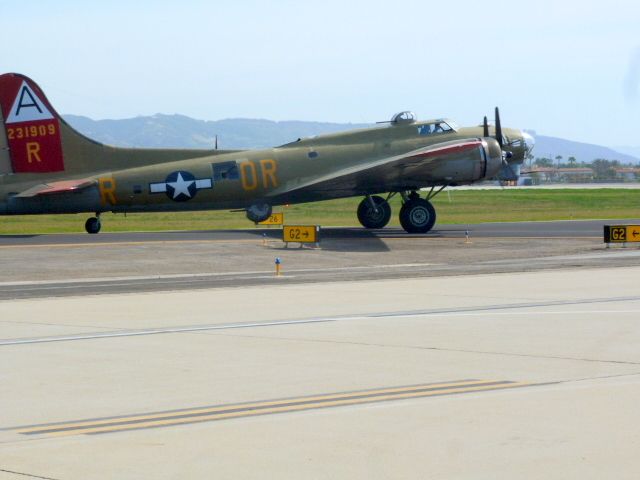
(31, 125)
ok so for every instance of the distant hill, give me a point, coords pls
(550, 147)
(179, 131)
(633, 151)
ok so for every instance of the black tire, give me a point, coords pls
(369, 218)
(92, 225)
(259, 212)
(417, 216)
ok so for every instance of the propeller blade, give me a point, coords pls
(485, 125)
(498, 128)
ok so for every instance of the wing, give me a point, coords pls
(448, 162)
(63, 186)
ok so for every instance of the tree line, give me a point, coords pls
(603, 169)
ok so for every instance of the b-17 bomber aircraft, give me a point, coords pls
(48, 167)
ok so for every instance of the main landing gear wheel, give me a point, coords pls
(92, 225)
(417, 216)
(371, 217)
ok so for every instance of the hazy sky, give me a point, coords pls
(562, 68)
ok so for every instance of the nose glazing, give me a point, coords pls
(529, 142)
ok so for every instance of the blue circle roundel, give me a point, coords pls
(181, 186)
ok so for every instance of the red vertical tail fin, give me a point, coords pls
(34, 139)
(31, 139)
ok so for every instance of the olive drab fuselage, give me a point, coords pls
(51, 168)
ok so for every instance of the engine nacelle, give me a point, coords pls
(493, 159)
(482, 161)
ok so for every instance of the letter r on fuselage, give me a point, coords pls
(107, 187)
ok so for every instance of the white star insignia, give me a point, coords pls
(181, 186)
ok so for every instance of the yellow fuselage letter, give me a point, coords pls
(33, 152)
(269, 168)
(249, 175)
(107, 187)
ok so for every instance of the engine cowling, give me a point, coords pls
(492, 160)
(469, 162)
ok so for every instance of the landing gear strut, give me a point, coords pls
(92, 225)
(417, 215)
(374, 212)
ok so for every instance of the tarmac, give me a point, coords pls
(71, 264)
(183, 355)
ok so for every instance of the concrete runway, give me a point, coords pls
(509, 375)
(379, 355)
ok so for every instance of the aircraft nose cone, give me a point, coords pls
(529, 142)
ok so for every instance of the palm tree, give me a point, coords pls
(572, 161)
(558, 158)
(544, 162)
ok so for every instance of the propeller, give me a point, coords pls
(485, 127)
(506, 166)
(498, 133)
(498, 128)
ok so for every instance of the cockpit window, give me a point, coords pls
(435, 127)
(453, 125)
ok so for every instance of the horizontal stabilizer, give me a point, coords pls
(63, 186)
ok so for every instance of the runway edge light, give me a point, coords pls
(278, 263)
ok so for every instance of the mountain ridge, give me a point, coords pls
(180, 131)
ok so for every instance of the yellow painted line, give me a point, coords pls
(543, 238)
(284, 409)
(158, 415)
(264, 408)
(482, 237)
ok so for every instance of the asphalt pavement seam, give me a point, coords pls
(26, 474)
(424, 347)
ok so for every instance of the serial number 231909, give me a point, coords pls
(32, 131)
